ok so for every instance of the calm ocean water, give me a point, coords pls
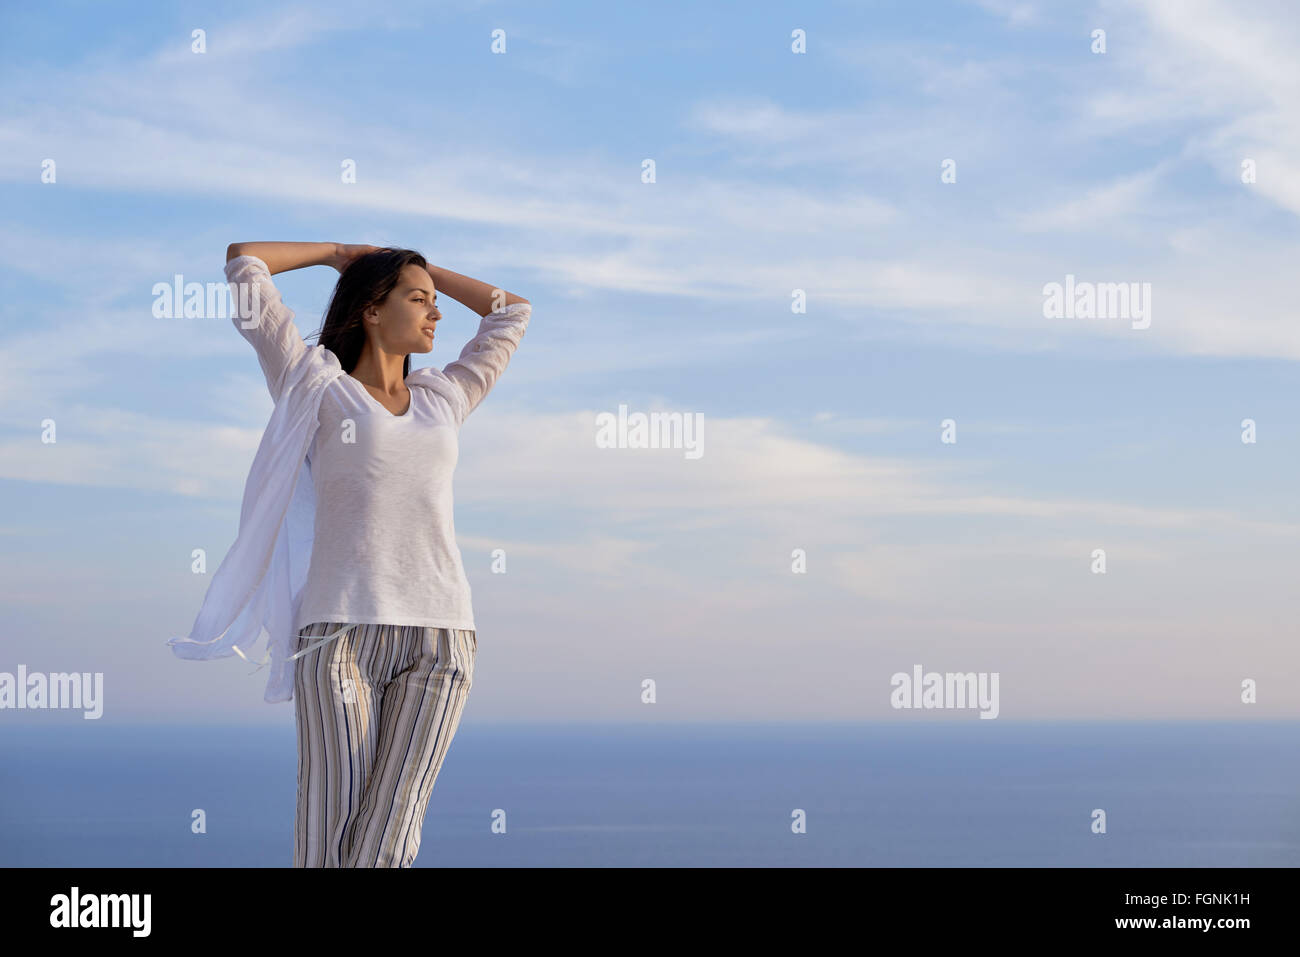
(973, 793)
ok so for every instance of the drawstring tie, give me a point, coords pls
(267, 657)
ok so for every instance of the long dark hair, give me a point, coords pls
(366, 281)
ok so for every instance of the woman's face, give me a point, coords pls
(405, 320)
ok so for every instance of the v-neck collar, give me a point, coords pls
(410, 401)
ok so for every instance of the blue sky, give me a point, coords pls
(775, 171)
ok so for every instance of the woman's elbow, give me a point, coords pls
(232, 251)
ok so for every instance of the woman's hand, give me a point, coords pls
(346, 253)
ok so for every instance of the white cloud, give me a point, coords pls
(1100, 206)
(590, 226)
(1231, 67)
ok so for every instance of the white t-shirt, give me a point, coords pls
(384, 544)
(384, 549)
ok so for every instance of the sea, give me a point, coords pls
(974, 793)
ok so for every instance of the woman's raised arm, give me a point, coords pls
(282, 257)
(477, 295)
(504, 317)
(259, 313)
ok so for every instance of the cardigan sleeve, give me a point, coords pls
(264, 320)
(485, 356)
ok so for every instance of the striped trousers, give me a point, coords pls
(376, 710)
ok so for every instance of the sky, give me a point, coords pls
(917, 176)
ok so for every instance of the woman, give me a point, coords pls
(385, 641)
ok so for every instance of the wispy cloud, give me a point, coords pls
(1101, 206)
